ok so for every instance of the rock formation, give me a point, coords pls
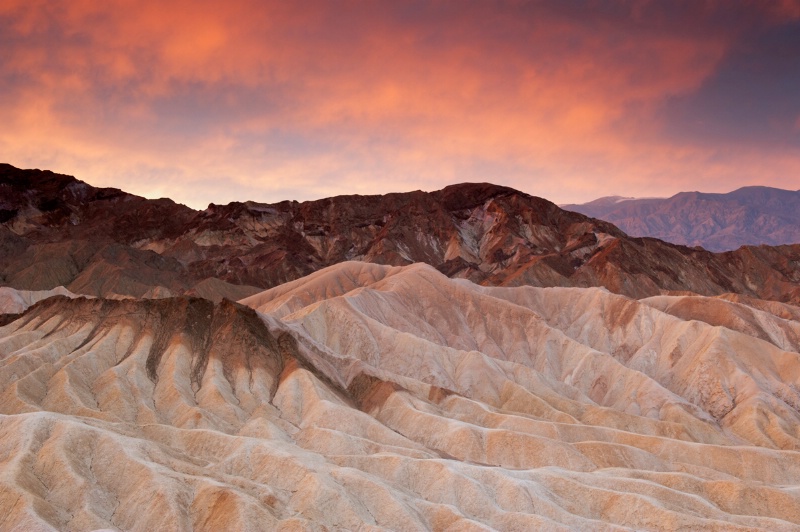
(368, 396)
(467, 359)
(58, 231)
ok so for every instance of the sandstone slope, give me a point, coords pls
(377, 397)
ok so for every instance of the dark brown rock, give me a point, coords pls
(60, 231)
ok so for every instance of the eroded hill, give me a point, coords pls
(393, 397)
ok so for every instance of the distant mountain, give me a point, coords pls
(717, 222)
(58, 231)
(602, 206)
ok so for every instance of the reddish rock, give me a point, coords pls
(61, 231)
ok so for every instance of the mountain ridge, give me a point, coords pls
(105, 242)
(750, 215)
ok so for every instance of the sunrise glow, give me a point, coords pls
(209, 101)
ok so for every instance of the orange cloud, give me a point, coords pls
(215, 101)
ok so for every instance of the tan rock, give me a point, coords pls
(373, 397)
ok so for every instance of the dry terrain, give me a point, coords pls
(368, 397)
(58, 231)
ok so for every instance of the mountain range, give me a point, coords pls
(717, 222)
(59, 231)
(473, 358)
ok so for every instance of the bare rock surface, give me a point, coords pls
(17, 301)
(381, 397)
(58, 231)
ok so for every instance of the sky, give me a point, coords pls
(266, 100)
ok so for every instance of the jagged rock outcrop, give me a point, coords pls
(369, 396)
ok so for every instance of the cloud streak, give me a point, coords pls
(218, 101)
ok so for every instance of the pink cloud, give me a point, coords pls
(321, 98)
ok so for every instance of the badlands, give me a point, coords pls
(367, 396)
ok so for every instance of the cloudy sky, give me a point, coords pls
(216, 101)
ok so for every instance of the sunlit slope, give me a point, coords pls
(394, 397)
